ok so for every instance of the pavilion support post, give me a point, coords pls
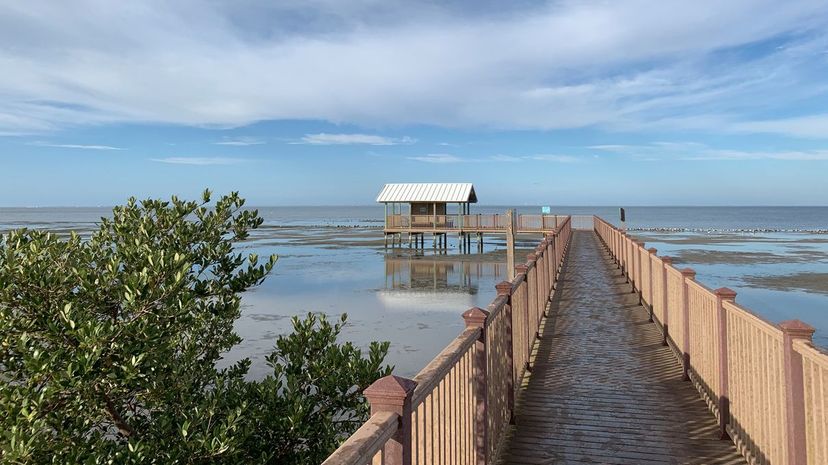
(476, 318)
(687, 275)
(793, 330)
(723, 294)
(393, 394)
(665, 324)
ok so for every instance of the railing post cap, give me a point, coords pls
(531, 256)
(389, 390)
(725, 293)
(667, 260)
(504, 288)
(475, 317)
(652, 250)
(689, 273)
(797, 329)
(521, 268)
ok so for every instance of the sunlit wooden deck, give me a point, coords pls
(603, 388)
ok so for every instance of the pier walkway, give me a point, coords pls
(603, 388)
(601, 351)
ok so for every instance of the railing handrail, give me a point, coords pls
(771, 410)
(363, 445)
(435, 371)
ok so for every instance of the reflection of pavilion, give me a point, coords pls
(438, 275)
(430, 284)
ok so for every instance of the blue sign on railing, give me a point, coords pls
(546, 210)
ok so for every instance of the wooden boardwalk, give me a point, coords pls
(603, 389)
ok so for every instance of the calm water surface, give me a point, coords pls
(332, 260)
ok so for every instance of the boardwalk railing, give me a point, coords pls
(766, 384)
(457, 408)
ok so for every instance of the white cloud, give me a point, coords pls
(555, 158)
(240, 141)
(199, 160)
(439, 158)
(505, 158)
(76, 146)
(625, 64)
(694, 151)
(791, 155)
(814, 126)
(448, 158)
(352, 139)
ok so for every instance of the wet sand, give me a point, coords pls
(808, 282)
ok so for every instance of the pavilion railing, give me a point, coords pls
(456, 410)
(766, 384)
(479, 222)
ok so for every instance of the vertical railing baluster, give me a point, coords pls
(504, 288)
(652, 251)
(665, 299)
(526, 350)
(687, 274)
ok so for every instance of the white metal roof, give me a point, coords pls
(428, 192)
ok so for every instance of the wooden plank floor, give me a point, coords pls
(603, 389)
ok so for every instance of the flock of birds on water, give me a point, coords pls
(727, 231)
(638, 229)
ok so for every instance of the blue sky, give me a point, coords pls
(322, 101)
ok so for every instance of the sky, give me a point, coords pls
(321, 102)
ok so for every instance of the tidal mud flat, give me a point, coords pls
(779, 275)
(409, 296)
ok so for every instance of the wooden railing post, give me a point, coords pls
(687, 274)
(522, 269)
(652, 252)
(665, 299)
(794, 390)
(476, 318)
(639, 270)
(623, 263)
(393, 394)
(729, 295)
(504, 288)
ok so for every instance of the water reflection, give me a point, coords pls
(436, 285)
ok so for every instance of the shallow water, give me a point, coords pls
(765, 269)
(332, 260)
